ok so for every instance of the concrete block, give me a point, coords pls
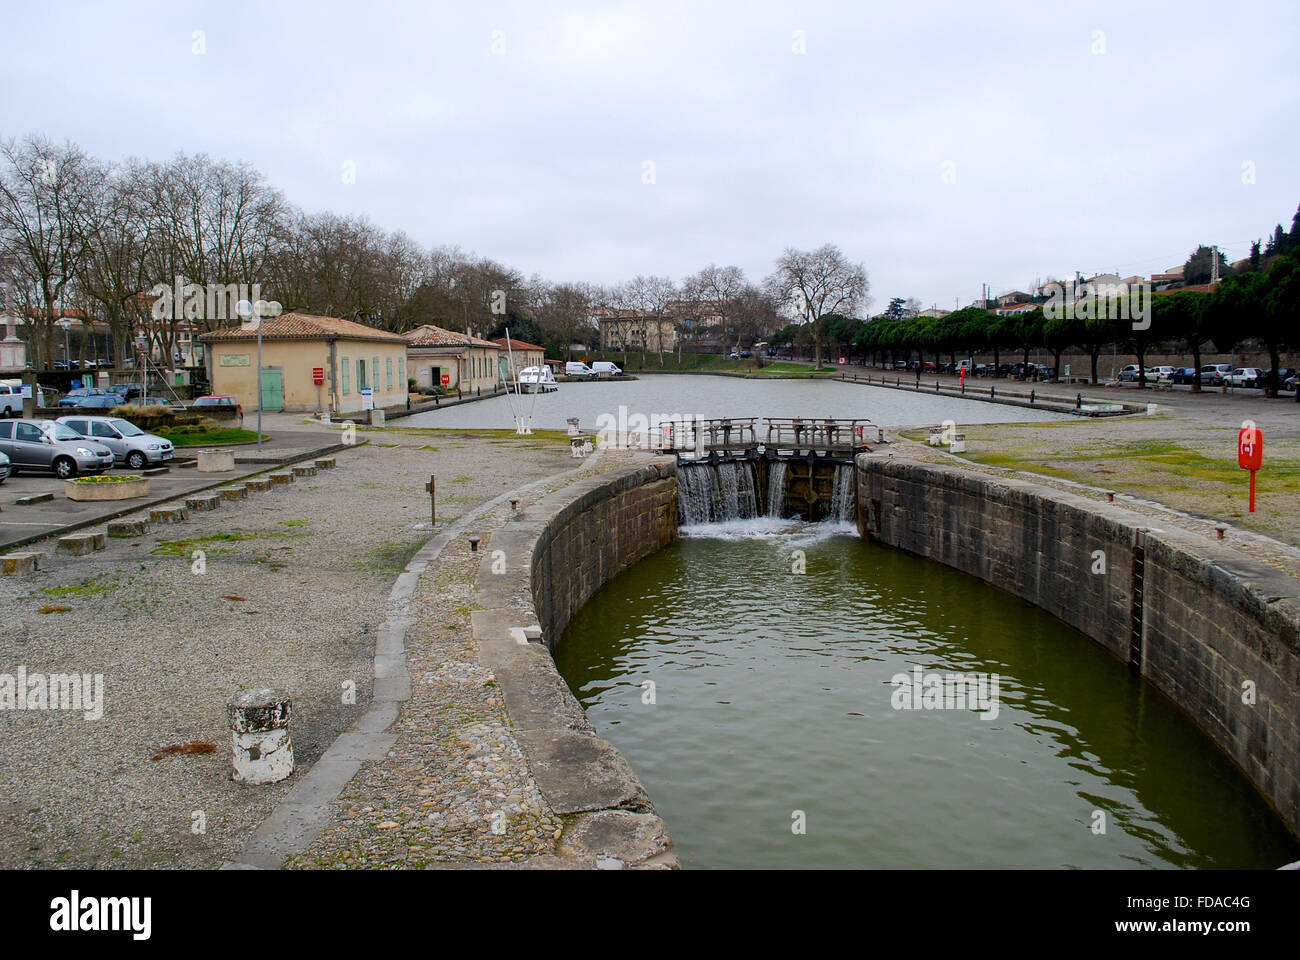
(304, 470)
(327, 463)
(233, 493)
(205, 501)
(155, 471)
(216, 461)
(169, 514)
(280, 476)
(128, 528)
(80, 544)
(34, 498)
(258, 484)
(24, 562)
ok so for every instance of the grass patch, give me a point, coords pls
(86, 588)
(54, 608)
(200, 437)
(182, 548)
(295, 523)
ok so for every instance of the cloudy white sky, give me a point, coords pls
(1089, 136)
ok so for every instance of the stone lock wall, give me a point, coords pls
(1204, 625)
(537, 571)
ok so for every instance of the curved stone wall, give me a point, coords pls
(536, 573)
(1217, 633)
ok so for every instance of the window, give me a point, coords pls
(101, 430)
(345, 367)
(361, 374)
(28, 433)
(78, 425)
(389, 365)
(6, 430)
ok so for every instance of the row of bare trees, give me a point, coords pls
(86, 240)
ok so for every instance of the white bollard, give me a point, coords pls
(958, 444)
(259, 725)
(573, 426)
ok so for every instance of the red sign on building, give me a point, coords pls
(318, 375)
(446, 379)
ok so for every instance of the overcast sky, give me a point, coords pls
(1089, 136)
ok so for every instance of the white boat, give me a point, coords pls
(537, 380)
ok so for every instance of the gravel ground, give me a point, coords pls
(293, 585)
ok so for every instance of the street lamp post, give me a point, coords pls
(259, 311)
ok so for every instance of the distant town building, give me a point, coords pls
(525, 355)
(635, 331)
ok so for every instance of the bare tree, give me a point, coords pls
(44, 193)
(813, 284)
(717, 292)
(649, 297)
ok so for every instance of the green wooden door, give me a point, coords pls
(272, 389)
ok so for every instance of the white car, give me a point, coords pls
(1244, 377)
(130, 444)
(1160, 373)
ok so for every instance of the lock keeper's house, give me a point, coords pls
(352, 356)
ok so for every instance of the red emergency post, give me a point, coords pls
(1250, 455)
(446, 379)
(318, 375)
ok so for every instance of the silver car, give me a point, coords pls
(130, 444)
(47, 445)
(4, 468)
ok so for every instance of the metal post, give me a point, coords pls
(259, 383)
(433, 500)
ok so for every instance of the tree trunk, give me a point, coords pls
(1196, 367)
(1093, 354)
(1270, 385)
(1142, 367)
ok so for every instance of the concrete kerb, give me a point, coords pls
(1046, 404)
(299, 818)
(150, 504)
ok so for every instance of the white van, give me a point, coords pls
(11, 398)
(606, 369)
(576, 368)
(964, 365)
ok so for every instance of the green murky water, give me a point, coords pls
(772, 694)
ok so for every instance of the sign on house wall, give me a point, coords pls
(235, 360)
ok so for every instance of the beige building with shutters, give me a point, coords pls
(352, 356)
(458, 362)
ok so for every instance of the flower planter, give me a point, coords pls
(97, 489)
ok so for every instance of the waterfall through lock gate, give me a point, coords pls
(730, 490)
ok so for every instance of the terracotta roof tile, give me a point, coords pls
(516, 344)
(302, 326)
(429, 335)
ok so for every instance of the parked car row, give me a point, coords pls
(1212, 374)
(78, 444)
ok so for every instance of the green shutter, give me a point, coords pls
(345, 368)
(388, 363)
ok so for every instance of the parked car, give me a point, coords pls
(1245, 377)
(576, 368)
(4, 468)
(1130, 374)
(106, 401)
(128, 391)
(900, 364)
(1290, 382)
(1185, 375)
(1160, 373)
(218, 403)
(11, 398)
(606, 368)
(1215, 373)
(153, 401)
(73, 397)
(130, 444)
(49, 445)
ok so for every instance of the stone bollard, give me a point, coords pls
(958, 444)
(27, 562)
(169, 514)
(573, 426)
(259, 728)
(216, 461)
(128, 528)
(936, 436)
(376, 418)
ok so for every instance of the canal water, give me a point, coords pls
(673, 396)
(753, 675)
